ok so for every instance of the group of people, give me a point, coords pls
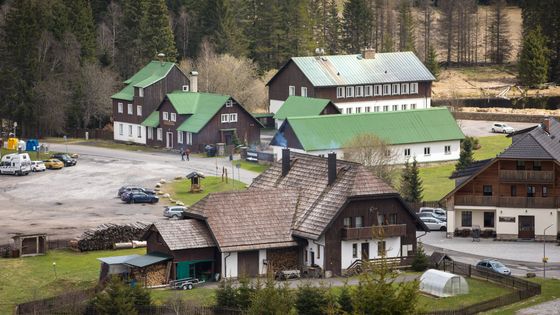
(185, 152)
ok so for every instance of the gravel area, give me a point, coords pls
(550, 308)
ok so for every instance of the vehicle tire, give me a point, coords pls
(189, 286)
(184, 287)
(503, 131)
(175, 217)
(443, 228)
(493, 130)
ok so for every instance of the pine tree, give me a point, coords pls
(129, 43)
(156, 32)
(332, 29)
(466, 156)
(82, 26)
(356, 25)
(407, 39)
(310, 300)
(115, 299)
(533, 59)
(226, 294)
(420, 262)
(404, 188)
(345, 300)
(416, 185)
(431, 62)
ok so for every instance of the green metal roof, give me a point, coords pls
(354, 69)
(201, 106)
(150, 74)
(262, 115)
(147, 260)
(329, 132)
(301, 106)
(152, 120)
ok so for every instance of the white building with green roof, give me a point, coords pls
(430, 135)
(142, 94)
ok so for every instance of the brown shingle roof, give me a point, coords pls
(183, 234)
(243, 220)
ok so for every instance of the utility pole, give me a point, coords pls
(545, 259)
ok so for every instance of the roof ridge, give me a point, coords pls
(402, 112)
(544, 147)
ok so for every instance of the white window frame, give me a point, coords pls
(349, 91)
(159, 134)
(386, 89)
(291, 90)
(385, 108)
(165, 115)
(403, 107)
(395, 108)
(150, 133)
(130, 130)
(224, 118)
(396, 89)
(368, 90)
(185, 88)
(233, 117)
(179, 137)
(188, 138)
(414, 88)
(407, 152)
(130, 109)
(229, 103)
(121, 129)
(377, 90)
(173, 116)
(304, 91)
(141, 92)
(376, 109)
(427, 151)
(139, 129)
(405, 88)
(120, 107)
(349, 110)
(367, 109)
(447, 149)
(340, 92)
(360, 91)
(138, 110)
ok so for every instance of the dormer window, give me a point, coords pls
(141, 92)
(185, 88)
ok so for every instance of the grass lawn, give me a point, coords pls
(478, 291)
(254, 167)
(178, 189)
(32, 154)
(29, 278)
(435, 178)
(550, 291)
(102, 144)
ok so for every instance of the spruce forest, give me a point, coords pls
(61, 60)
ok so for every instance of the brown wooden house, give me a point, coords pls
(193, 120)
(142, 94)
(515, 195)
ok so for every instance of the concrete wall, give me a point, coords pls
(392, 245)
(230, 263)
(135, 137)
(318, 248)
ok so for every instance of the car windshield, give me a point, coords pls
(497, 264)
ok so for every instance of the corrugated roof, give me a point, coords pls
(353, 69)
(147, 260)
(150, 74)
(301, 106)
(152, 120)
(329, 132)
(116, 260)
(201, 106)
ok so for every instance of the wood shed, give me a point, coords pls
(29, 245)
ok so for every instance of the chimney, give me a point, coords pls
(285, 161)
(368, 53)
(194, 81)
(160, 57)
(331, 164)
(546, 124)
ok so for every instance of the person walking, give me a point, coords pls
(182, 152)
(187, 153)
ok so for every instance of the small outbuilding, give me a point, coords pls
(443, 284)
(29, 245)
(195, 178)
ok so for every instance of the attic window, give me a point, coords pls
(229, 103)
(141, 92)
(185, 88)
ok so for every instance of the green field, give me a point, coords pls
(30, 278)
(253, 167)
(550, 290)
(179, 189)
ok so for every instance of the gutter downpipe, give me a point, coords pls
(225, 264)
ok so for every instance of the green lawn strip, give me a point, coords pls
(251, 166)
(102, 144)
(198, 296)
(179, 189)
(479, 291)
(491, 146)
(550, 290)
(30, 278)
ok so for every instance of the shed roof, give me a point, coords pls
(301, 106)
(116, 260)
(152, 120)
(328, 132)
(147, 260)
(150, 74)
(337, 70)
(183, 234)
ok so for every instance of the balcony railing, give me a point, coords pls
(371, 232)
(526, 176)
(512, 202)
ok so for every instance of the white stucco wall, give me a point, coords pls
(278, 123)
(313, 246)
(125, 134)
(275, 105)
(421, 103)
(392, 245)
(230, 263)
(262, 257)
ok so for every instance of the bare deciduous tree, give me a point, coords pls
(373, 152)
(54, 100)
(97, 86)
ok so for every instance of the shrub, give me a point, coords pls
(226, 295)
(120, 298)
(345, 300)
(271, 300)
(420, 262)
(311, 300)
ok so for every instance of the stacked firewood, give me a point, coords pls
(106, 235)
(156, 275)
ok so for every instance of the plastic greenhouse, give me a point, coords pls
(443, 284)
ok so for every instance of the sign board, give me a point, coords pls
(255, 156)
(507, 219)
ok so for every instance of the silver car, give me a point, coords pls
(174, 212)
(493, 265)
(434, 224)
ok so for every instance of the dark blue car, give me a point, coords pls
(140, 197)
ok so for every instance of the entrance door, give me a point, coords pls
(365, 251)
(312, 258)
(183, 270)
(526, 227)
(248, 263)
(169, 138)
(228, 137)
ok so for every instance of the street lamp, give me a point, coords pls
(544, 259)
(54, 268)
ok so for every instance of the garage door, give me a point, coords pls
(248, 263)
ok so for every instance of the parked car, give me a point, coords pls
(429, 215)
(38, 166)
(65, 158)
(53, 164)
(493, 265)
(140, 197)
(434, 224)
(128, 190)
(439, 213)
(174, 212)
(15, 164)
(502, 128)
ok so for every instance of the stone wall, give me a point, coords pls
(529, 115)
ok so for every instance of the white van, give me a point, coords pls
(15, 164)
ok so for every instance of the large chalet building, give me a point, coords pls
(358, 83)
(516, 195)
(143, 93)
(303, 212)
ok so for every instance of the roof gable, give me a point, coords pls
(183, 234)
(152, 120)
(150, 74)
(536, 143)
(301, 106)
(329, 132)
(201, 106)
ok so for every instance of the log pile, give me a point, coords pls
(156, 275)
(106, 235)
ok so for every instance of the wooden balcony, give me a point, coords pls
(512, 202)
(371, 232)
(515, 176)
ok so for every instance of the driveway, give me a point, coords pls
(64, 203)
(482, 128)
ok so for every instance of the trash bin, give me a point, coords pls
(221, 147)
(476, 233)
(13, 143)
(32, 145)
(210, 150)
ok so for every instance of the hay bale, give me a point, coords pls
(158, 185)
(162, 181)
(179, 203)
(178, 177)
(165, 195)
